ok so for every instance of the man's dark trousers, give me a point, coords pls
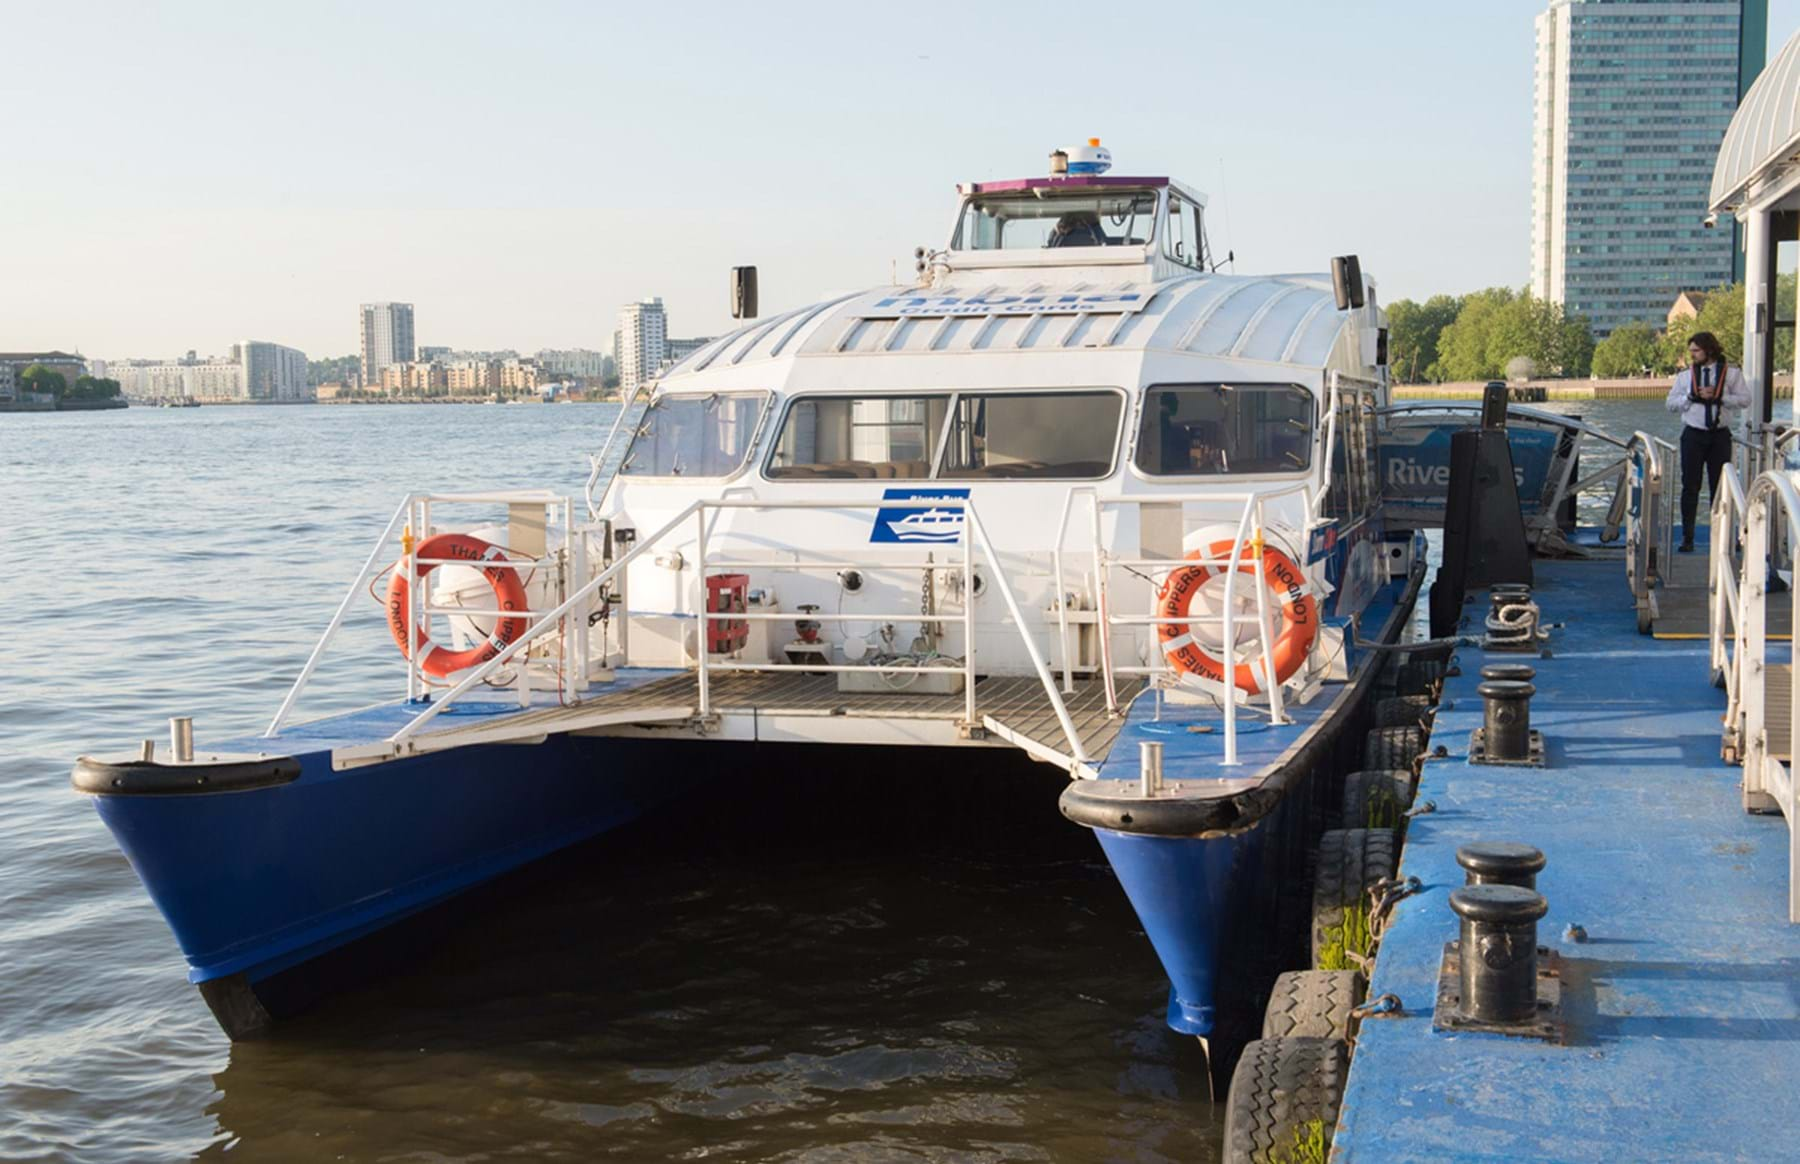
(1707, 448)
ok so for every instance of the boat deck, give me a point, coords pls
(1681, 1009)
(1684, 600)
(745, 705)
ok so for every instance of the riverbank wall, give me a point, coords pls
(1539, 391)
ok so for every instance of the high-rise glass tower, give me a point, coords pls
(387, 337)
(1632, 100)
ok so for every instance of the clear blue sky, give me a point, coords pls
(183, 175)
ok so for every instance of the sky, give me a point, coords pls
(185, 175)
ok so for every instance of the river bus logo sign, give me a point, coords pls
(912, 515)
(1124, 301)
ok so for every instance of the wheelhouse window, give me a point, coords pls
(694, 436)
(1036, 219)
(859, 436)
(1062, 435)
(1065, 435)
(1199, 430)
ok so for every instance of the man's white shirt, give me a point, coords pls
(1737, 395)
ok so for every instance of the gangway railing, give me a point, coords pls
(1249, 533)
(1725, 603)
(1650, 524)
(1771, 503)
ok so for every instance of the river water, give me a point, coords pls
(741, 994)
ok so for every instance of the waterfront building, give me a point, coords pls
(584, 363)
(1687, 305)
(1632, 99)
(387, 337)
(415, 378)
(523, 375)
(9, 389)
(677, 350)
(253, 370)
(473, 376)
(642, 342)
(72, 367)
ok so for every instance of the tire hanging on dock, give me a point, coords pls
(509, 594)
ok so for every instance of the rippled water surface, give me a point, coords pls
(719, 992)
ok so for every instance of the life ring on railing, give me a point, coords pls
(1285, 580)
(509, 593)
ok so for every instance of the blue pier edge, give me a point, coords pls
(1682, 1006)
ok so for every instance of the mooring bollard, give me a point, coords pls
(181, 738)
(1150, 756)
(1500, 863)
(1511, 672)
(1497, 957)
(1506, 718)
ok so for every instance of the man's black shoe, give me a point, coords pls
(1686, 547)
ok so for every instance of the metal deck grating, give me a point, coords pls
(1684, 602)
(1019, 703)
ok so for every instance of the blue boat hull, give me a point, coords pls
(258, 883)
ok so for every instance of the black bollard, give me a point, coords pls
(1500, 863)
(1516, 672)
(1506, 719)
(1497, 957)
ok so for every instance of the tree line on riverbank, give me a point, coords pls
(50, 382)
(1499, 333)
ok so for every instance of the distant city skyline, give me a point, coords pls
(1401, 133)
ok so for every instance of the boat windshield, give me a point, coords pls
(1035, 219)
(694, 436)
(1063, 435)
(1194, 430)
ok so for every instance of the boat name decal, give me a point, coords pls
(912, 515)
(1043, 303)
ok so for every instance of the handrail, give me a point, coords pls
(337, 619)
(1768, 782)
(1723, 592)
(598, 463)
(1253, 504)
(481, 673)
(1650, 528)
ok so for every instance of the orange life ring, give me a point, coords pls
(509, 592)
(1299, 617)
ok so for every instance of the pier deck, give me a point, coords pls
(1682, 1007)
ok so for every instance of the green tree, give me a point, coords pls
(92, 388)
(1629, 351)
(38, 378)
(1463, 346)
(1413, 332)
(1722, 314)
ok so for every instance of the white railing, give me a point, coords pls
(1768, 780)
(703, 512)
(1650, 528)
(414, 514)
(1249, 533)
(1724, 601)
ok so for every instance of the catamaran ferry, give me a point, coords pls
(1076, 492)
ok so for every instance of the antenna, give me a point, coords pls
(1225, 199)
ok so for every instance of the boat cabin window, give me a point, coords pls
(876, 436)
(1185, 239)
(1197, 430)
(1035, 219)
(1066, 435)
(694, 436)
(1355, 480)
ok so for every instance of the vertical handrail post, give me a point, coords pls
(1264, 626)
(1062, 592)
(703, 648)
(971, 521)
(1103, 610)
(968, 546)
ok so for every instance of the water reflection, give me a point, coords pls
(792, 977)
